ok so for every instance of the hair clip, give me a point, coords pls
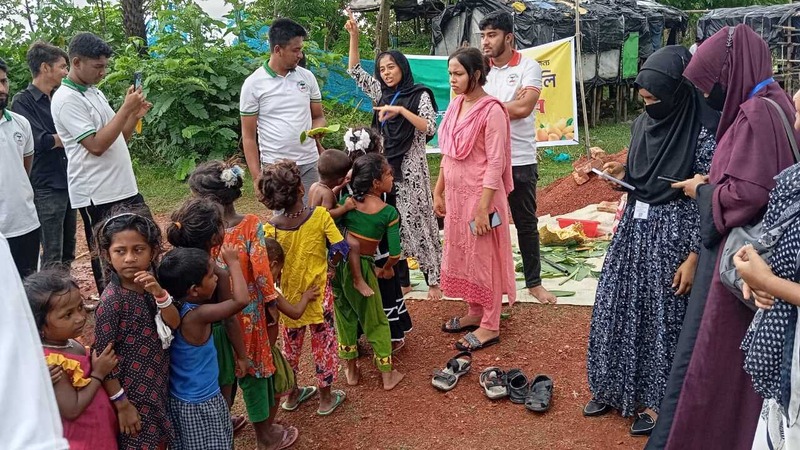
(231, 175)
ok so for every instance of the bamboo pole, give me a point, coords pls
(579, 63)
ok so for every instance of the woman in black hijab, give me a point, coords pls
(405, 116)
(647, 275)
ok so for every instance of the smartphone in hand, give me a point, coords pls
(608, 177)
(670, 179)
(137, 80)
(494, 222)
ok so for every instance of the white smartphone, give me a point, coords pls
(608, 177)
(494, 222)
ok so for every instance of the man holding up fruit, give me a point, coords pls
(279, 102)
(517, 81)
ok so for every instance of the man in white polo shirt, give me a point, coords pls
(278, 102)
(29, 418)
(100, 175)
(18, 220)
(517, 81)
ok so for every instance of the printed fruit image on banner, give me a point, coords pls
(557, 109)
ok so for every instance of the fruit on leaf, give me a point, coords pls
(319, 131)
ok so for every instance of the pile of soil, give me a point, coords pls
(564, 195)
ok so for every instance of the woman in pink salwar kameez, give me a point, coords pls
(473, 186)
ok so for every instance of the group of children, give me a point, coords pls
(175, 334)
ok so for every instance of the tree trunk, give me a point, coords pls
(133, 20)
(382, 29)
(29, 13)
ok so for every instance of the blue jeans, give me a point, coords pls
(59, 223)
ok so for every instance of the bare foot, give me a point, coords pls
(391, 379)
(363, 288)
(434, 293)
(352, 373)
(543, 295)
(406, 289)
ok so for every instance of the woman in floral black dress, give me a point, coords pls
(647, 276)
(406, 118)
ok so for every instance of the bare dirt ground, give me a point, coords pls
(539, 339)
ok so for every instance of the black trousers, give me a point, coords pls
(25, 251)
(522, 202)
(94, 214)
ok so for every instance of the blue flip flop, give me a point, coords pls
(306, 392)
(339, 397)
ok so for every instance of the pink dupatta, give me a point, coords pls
(457, 137)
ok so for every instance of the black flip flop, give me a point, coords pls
(474, 343)
(595, 408)
(454, 326)
(541, 392)
(518, 386)
(643, 425)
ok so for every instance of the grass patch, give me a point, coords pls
(164, 193)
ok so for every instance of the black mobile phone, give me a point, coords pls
(670, 179)
(137, 80)
(494, 222)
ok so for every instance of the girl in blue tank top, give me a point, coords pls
(196, 406)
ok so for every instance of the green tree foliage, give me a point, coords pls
(324, 19)
(54, 21)
(193, 78)
(192, 73)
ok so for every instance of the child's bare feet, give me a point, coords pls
(434, 293)
(352, 373)
(391, 379)
(362, 287)
(406, 289)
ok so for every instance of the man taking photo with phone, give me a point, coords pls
(99, 171)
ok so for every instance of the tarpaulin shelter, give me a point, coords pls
(616, 36)
(778, 25)
(605, 26)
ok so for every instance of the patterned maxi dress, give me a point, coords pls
(771, 342)
(419, 231)
(127, 318)
(637, 317)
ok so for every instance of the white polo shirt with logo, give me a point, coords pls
(79, 112)
(283, 107)
(17, 211)
(504, 83)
